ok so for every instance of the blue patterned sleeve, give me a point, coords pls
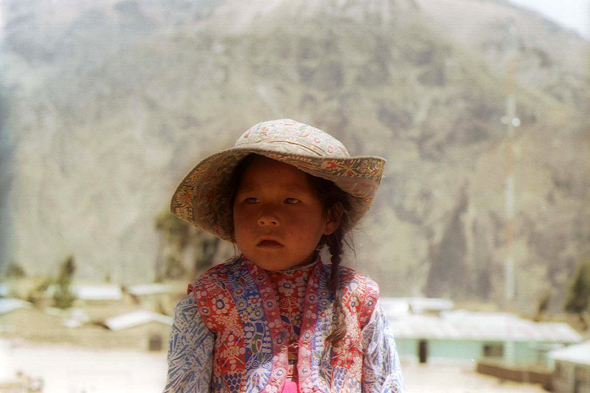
(190, 355)
(381, 368)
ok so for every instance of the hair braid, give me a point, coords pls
(334, 243)
(338, 203)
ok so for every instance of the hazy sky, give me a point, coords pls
(571, 13)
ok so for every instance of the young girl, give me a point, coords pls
(276, 318)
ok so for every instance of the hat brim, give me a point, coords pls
(202, 198)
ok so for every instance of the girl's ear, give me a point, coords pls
(333, 218)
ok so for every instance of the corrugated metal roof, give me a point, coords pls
(8, 305)
(77, 318)
(98, 292)
(417, 305)
(579, 353)
(136, 318)
(92, 291)
(149, 289)
(464, 325)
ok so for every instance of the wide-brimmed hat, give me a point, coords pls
(203, 197)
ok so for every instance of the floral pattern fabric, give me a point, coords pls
(229, 335)
(289, 287)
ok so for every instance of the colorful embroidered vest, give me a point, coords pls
(238, 305)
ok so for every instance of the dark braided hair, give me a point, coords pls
(336, 203)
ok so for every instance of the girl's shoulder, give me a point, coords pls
(215, 276)
(222, 269)
(360, 293)
(355, 281)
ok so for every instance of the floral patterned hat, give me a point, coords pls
(203, 199)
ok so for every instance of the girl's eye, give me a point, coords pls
(251, 200)
(292, 201)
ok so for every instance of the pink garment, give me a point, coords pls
(289, 287)
(290, 387)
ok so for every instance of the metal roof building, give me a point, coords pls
(571, 372)
(579, 354)
(136, 318)
(8, 305)
(472, 336)
(464, 325)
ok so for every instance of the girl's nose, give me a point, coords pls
(268, 220)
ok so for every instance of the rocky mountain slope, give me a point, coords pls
(106, 105)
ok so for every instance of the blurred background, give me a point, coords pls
(479, 236)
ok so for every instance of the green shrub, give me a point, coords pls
(578, 295)
(63, 295)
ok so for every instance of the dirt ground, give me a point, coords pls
(458, 379)
(69, 369)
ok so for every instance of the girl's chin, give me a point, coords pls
(272, 265)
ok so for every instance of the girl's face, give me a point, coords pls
(278, 218)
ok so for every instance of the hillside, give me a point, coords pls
(105, 107)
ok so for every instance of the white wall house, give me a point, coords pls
(571, 373)
(463, 336)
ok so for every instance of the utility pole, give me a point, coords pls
(512, 122)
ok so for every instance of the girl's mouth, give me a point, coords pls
(269, 244)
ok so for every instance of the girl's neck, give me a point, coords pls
(307, 266)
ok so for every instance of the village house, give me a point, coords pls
(159, 297)
(18, 318)
(3, 290)
(102, 316)
(141, 329)
(99, 294)
(463, 336)
(9, 310)
(571, 371)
